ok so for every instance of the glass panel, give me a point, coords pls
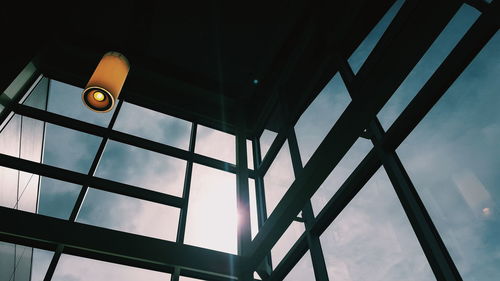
(31, 149)
(372, 239)
(41, 262)
(212, 214)
(65, 99)
(153, 125)
(364, 49)
(7, 260)
(215, 144)
(38, 97)
(278, 178)
(73, 268)
(320, 116)
(303, 270)
(27, 192)
(254, 225)
(18, 262)
(250, 154)
(9, 145)
(69, 149)
(340, 173)
(452, 157)
(57, 198)
(140, 167)
(266, 140)
(129, 214)
(23, 263)
(286, 242)
(428, 64)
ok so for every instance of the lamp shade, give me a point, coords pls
(106, 82)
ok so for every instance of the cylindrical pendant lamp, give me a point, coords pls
(106, 82)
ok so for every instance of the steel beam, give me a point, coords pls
(114, 246)
(129, 139)
(95, 182)
(387, 71)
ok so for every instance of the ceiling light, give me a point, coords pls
(106, 82)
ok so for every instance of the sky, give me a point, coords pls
(452, 158)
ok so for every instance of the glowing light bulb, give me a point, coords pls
(98, 96)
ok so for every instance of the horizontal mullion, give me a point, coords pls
(91, 181)
(94, 242)
(125, 138)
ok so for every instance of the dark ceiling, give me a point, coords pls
(196, 59)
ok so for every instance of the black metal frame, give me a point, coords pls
(370, 89)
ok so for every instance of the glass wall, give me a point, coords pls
(21, 137)
(144, 173)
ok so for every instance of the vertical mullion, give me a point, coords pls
(264, 269)
(83, 191)
(243, 199)
(181, 228)
(431, 242)
(317, 257)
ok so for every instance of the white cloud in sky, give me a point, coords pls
(372, 239)
(140, 167)
(453, 159)
(153, 125)
(278, 178)
(215, 144)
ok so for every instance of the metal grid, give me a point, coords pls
(359, 119)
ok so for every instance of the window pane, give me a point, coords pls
(73, 268)
(20, 137)
(266, 140)
(215, 144)
(69, 149)
(41, 262)
(286, 242)
(303, 270)
(66, 100)
(23, 263)
(364, 49)
(434, 56)
(340, 173)
(372, 239)
(212, 215)
(57, 198)
(278, 178)
(153, 125)
(7, 260)
(143, 168)
(250, 154)
(129, 214)
(18, 262)
(9, 145)
(253, 208)
(320, 116)
(453, 158)
(38, 96)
